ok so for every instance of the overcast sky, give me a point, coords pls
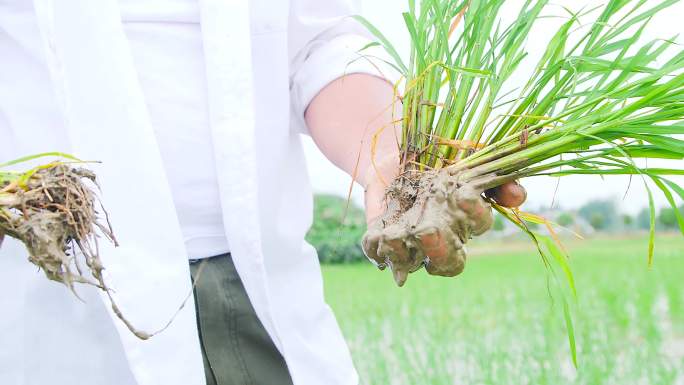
(572, 191)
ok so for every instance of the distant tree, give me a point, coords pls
(337, 237)
(627, 220)
(598, 221)
(601, 214)
(644, 219)
(565, 219)
(668, 218)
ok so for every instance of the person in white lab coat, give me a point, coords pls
(194, 108)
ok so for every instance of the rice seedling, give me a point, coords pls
(598, 99)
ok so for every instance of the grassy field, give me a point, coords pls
(497, 324)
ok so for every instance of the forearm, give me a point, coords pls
(355, 123)
(345, 117)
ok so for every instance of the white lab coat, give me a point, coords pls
(71, 57)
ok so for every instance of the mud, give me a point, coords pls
(428, 222)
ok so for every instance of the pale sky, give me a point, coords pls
(573, 191)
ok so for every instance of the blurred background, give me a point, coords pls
(499, 322)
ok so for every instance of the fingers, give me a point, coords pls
(394, 248)
(434, 246)
(432, 232)
(444, 253)
(402, 254)
(371, 243)
(452, 267)
(395, 251)
(439, 249)
(510, 194)
(479, 213)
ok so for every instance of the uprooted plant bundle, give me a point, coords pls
(54, 211)
(598, 100)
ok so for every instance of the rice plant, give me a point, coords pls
(599, 99)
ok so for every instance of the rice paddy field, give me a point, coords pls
(497, 324)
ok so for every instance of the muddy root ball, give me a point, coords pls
(54, 213)
(428, 222)
(57, 215)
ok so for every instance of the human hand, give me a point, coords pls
(438, 242)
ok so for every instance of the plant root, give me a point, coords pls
(54, 212)
(429, 220)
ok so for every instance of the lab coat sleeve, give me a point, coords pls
(325, 44)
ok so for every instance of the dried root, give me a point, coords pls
(429, 220)
(54, 212)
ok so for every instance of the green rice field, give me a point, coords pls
(498, 324)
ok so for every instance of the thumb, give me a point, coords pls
(376, 178)
(510, 194)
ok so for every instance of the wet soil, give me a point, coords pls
(428, 222)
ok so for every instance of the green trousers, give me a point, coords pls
(236, 348)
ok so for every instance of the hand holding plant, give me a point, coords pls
(436, 244)
(596, 101)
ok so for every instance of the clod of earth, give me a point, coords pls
(429, 220)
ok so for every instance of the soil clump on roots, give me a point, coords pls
(53, 210)
(429, 219)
